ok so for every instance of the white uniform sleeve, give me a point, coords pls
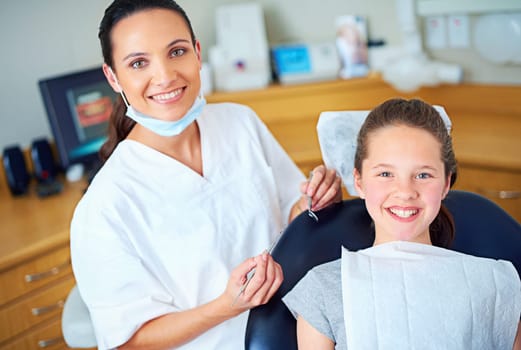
(120, 293)
(288, 176)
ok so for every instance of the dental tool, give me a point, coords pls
(311, 214)
(250, 274)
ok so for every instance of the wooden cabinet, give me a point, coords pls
(47, 336)
(488, 150)
(35, 269)
(34, 274)
(502, 186)
(486, 125)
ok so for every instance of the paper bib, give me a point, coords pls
(403, 295)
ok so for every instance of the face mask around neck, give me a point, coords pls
(168, 128)
(163, 127)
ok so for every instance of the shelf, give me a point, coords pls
(440, 7)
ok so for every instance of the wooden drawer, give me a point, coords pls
(46, 337)
(35, 309)
(503, 187)
(34, 274)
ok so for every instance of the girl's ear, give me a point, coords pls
(447, 186)
(358, 183)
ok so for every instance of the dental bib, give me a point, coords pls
(404, 295)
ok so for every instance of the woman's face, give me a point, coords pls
(403, 182)
(156, 63)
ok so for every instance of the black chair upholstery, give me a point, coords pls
(482, 229)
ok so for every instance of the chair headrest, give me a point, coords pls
(337, 135)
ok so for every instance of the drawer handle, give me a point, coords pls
(37, 311)
(53, 271)
(49, 342)
(501, 194)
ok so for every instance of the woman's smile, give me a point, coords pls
(168, 97)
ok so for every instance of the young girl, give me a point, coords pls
(407, 291)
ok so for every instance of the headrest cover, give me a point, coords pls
(337, 135)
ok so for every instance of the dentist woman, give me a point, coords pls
(189, 196)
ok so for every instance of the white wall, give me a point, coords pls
(46, 38)
(41, 39)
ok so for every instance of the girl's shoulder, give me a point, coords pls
(327, 272)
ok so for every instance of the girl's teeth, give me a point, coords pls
(404, 213)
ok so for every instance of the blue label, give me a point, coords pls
(292, 59)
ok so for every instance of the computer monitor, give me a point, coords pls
(78, 107)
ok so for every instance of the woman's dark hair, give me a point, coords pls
(417, 114)
(119, 125)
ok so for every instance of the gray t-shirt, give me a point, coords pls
(317, 297)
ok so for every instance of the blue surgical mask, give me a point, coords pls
(164, 127)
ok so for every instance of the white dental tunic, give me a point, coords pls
(151, 236)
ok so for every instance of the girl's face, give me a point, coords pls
(403, 182)
(155, 63)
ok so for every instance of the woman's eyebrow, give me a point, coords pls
(177, 41)
(137, 54)
(133, 54)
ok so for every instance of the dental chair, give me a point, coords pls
(482, 229)
(77, 328)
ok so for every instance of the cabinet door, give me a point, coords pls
(47, 337)
(503, 187)
(34, 310)
(34, 274)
